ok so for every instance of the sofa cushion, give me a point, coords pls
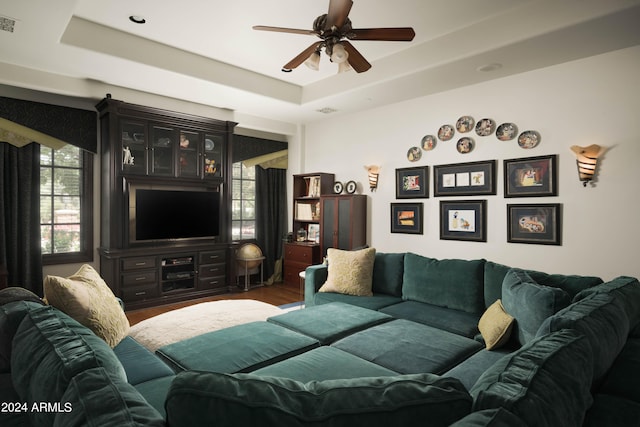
(11, 314)
(612, 411)
(530, 303)
(329, 322)
(495, 326)
(324, 363)
(350, 272)
(259, 344)
(498, 417)
(470, 369)
(624, 376)
(545, 383)
(155, 392)
(449, 283)
(95, 398)
(388, 270)
(455, 321)
(246, 399)
(16, 293)
(375, 302)
(58, 349)
(625, 288)
(409, 347)
(139, 363)
(494, 275)
(87, 298)
(601, 319)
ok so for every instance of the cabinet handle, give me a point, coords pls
(141, 263)
(138, 294)
(141, 278)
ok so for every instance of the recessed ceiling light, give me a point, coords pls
(137, 19)
(489, 67)
(326, 110)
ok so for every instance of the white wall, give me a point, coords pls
(595, 100)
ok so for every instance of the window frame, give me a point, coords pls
(85, 254)
(241, 200)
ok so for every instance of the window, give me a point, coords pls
(66, 196)
(243, 204)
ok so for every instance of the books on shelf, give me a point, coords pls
(313, 186)
(307, 211)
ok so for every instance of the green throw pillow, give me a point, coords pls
(198, 399)
(530, 303)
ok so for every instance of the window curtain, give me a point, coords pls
(20, 252)
(271, 217)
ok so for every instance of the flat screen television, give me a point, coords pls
(172, 214)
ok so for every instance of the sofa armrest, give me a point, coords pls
(315, 276)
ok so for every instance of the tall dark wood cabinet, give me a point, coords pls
(343, 222)
(304, 250)
(147, 150)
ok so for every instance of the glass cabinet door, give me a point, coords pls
(189, 154)
(163, 141)
(213, 150)
(134, 147)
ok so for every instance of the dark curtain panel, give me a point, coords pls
(20, 215)
(271, 214)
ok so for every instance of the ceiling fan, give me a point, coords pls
(334, 29)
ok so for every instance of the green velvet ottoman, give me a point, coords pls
(410, 348)
(240, 348)
(330, 322)
(324, 363)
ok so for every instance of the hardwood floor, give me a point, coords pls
(276, 294)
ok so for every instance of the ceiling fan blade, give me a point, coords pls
(402, 34)
(338, 12)
(283, 30)
(356, 60)
(302, 56)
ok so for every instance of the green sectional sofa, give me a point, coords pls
(410, 353)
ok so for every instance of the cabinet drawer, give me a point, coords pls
(302, 253)
(212, 282)
(138, 263)
(139, 278)
(139, 293)
(211, 270)
(212, 257)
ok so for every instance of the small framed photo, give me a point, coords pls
(531, 177)
(412, 183)
(538, 224)
(314, 233)
(465, 179)
(406, 218)
(463, 220)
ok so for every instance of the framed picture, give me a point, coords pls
(406, 218)
(531, 177)
(538, 224)
(465, 179)
(463, 220)
(314, 233)
(412, 183)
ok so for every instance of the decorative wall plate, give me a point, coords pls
(485, 127)
(351, 187)
(446, 132)
(337, 187)
(529, 139)
(209, 144)
(506, 131)
(465, 145)
(414, 154)
(465, 124)
(429, 142)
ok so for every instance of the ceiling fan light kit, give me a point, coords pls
(335, 30)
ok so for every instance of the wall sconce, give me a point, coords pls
(587, 161)
(373, 171)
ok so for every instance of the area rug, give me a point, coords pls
(198, 319)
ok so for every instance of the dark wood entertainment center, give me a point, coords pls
(150, 148)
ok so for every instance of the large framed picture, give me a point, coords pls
(463, 220)
(465, 179)
(531, 177)
(412, 183)
(537, 223)
(406, 218)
